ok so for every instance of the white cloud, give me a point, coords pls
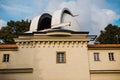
(101, 18)
(93, 15)
(2, 23)
(53, 5)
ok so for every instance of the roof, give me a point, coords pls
(58, 16)
(34, 24)
(8, 46)
(104, 46)
(14, 46)
(62, 18)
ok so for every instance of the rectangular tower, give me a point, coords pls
(55, 55)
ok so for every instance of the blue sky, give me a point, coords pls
(93, 13)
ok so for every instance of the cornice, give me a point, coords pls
(33, 44)
(16, 70)
(104, 71)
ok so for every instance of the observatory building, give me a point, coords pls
(54, 48)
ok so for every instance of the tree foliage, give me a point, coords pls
(111, 35)
(13, 29)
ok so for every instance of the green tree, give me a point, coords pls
(13, 29)
(111, 35)
(6, 34)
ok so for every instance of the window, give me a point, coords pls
(6, 57)
(111, 56)
(96, 57)
(61, 57)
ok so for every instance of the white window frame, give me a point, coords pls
(111, 56)
(6, 57)
(60, 57)
(96, 56)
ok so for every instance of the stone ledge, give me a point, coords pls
(104, 71)
(16, 70)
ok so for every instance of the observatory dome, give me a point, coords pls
(65, 19)
(61, 19)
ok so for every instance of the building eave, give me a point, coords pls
(8, 47)
(103, 46)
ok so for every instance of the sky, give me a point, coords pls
(94, 15)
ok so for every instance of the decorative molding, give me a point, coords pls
(104, 71)
(37, 44)
(16, 70)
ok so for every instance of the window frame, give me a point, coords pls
(96, 56)
(111, 56)
(57, 60)
(6, 57)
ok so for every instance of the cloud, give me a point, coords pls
(53, 5)
(101, 18)
(2, 23)
(93, 14)
(16, 9)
